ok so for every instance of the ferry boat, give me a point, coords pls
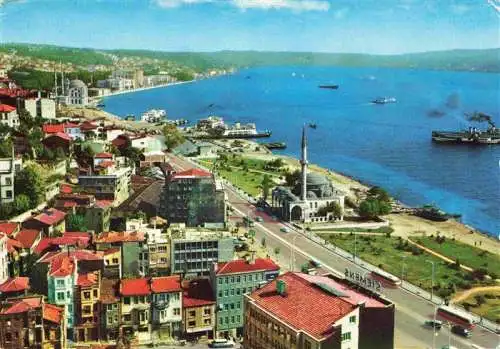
(331, 87)
(470, 136)
(153, 115)
(384, 100)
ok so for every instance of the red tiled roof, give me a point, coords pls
(135, 287)
(106, 163)
(52, 313)
(120, 141)
(4, 108)
(166, 284)
(243, 266)
(111, 251)
(61, 135)
(80, 241)
(14, 92)
(305, 305)
(104, 203)
(80, 255)
(86, 280)
(192, 173)
(112, 236)
(8, 227)
(197, 293)
(66, 189)
(12, 244)
(60, 267)
(103, 156)
(27, 237)
(71, 125)
(21, 305)
(50, 216)
(87, 126)
(53, 128)
(16, 284)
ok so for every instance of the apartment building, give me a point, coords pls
(198, 308)
(166, 304)
(8, 168)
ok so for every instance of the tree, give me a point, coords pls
(266, 185)
(263, 242)
(76, 222)
(132, 154)
(379, 193)
(372, 208)
(22, 203)
(292, 178)
(31, 182)
(173, 137)
(332, 207)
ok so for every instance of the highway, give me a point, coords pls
(411, 310)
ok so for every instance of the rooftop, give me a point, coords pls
(27, 237)
(244, 266)
(61, 135)
(191, 173)
(88, 279)
(50, 216)
(80, 255)
(53, 128)
(69, 238)
(4, 108)
(166, 284)
(197, 293)
(8, 227)
(17, 284)
(135, 287)
(103, 155)
(52, 313)
(311, 303)
(61, 267)
(112, 237)
(22, 305)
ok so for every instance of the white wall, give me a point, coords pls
(352, 327)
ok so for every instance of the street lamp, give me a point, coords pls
(432, 280)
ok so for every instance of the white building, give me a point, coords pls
(9, 116)
(41, 107)
(8, 169)
(167, 303)
(120, 83)
(4, 265)
(77, 93)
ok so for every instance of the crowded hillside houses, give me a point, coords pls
(103, 242)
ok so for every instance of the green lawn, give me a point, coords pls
(468, 255)
(490, 309)
(382, 252)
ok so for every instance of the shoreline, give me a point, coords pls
(132, 90)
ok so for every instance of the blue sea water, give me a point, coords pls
(386, 145)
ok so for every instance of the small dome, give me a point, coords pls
(311, 195)
(316, 179)
(77, 84)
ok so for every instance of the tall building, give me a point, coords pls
(230, 281)
(41, 107)
(195, 198)
(113, 185)
(302, 311)
(312, 197)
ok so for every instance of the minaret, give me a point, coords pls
(303, 163)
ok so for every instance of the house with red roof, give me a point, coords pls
(230, 281)
(59, 140)
(9, 116)
(9, 228)
(31, 320)
(29, 239)
(193, 197)
(166, 304)
(69, 128)
(74, 240)
(136, 307)
(15, 287)
(312, 311)
(49, 221)
(198, 308)
(88, 307)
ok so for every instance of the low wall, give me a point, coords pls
(344, 225)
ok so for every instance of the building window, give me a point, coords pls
(191, 323)
(60, 296)
(87, 310)
(9, 194)
(115, 260)
(86, 295)
(238, 278)
(238, 318)
(221, 320)
(221, 281)
(226, 293)
(232, 319)
(207, 321)
(192, 313)
(126, 300)
(60, 282)
(95, 293)
(177, 311)
(207, 311)
(127, 317)
(307, 344)
(220, 294)
(352, 319)
(346, 336)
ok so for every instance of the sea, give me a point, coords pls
(385, 145)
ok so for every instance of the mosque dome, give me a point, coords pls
(311, 195)
(316, 179)
(77, 84)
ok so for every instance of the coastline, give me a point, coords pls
(132, 90)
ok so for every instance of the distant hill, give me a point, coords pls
(464, 60)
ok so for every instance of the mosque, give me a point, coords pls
(313, 191)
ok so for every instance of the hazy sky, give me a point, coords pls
(369, 26)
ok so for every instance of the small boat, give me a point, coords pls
(130, 117)
(384, 100)
(312, 125)
(331, 87)
(101, 105)
(275, 145)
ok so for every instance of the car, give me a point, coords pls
(461, 331)
(434, 323)
(221, 343)
(259, 219)
(315, 263)
(284, 229)
(448, 347)
(242, 238)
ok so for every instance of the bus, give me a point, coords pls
(385, 278)
(248, 221)
(456, 315)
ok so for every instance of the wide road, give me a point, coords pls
(411, 310)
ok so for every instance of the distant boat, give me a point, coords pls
(101, 105)
(248, 77)
(384, 100)
(331, 87)
(293, 74)
(312, 125)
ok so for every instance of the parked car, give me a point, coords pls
(461, 331)
(259, 219)
(434, 323)
(221, 343)
(284, 229)
(315, 263)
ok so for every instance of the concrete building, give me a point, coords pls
(88, 307)
(304, 311)
(308, 201)
(8, 169)
(41, 107)
(9, 116)
(77, 94)
(136, 308)
(49, 221)
(195, 198)
(29, 322)
(198, 308)
(4, 258)
(110, 309)
(193, 251)
(166, 305)
(113, 186)
(230, 281)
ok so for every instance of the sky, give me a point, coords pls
(357, 26)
